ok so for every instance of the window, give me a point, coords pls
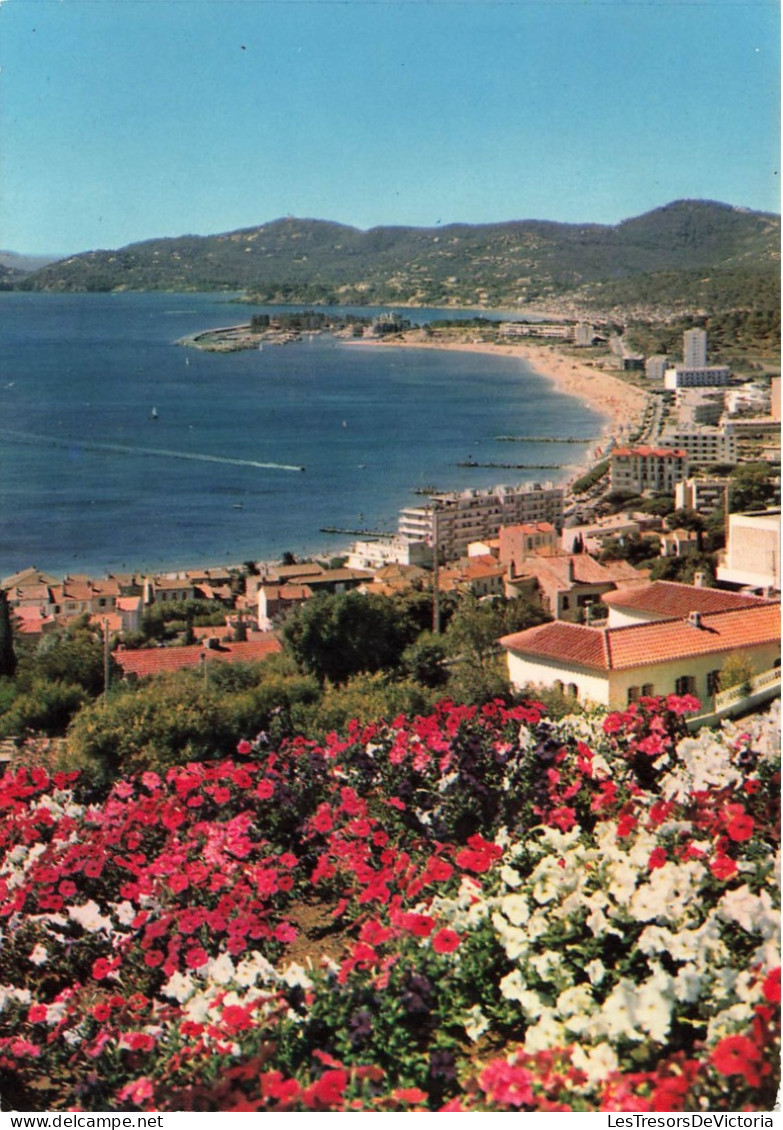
(713, 681)
(566, 604)
(573, 690)
(558, 685)
(633, 694)
(686, 684)
(648, 690)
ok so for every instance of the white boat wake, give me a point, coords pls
(154, 452)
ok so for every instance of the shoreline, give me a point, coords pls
(620, 403)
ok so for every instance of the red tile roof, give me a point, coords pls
(150, 661)
(670, 599)
(660, 452)
(644, 645)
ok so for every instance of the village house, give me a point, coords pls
(667, 600)
(678, 543)
(479, 576)
(148, 662)
(569, 586)
(613, 666)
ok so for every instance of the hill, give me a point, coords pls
(651, 257)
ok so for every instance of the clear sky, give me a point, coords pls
(122, 120)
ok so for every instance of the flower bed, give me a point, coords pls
(476, 910)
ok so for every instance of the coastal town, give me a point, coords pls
(682, 437)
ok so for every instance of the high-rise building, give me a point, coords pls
(694, 349)
(453, 520)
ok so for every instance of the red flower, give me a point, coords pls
(657, 858)
(723, 867)
(101, 1011)
(244, 747)
(446, 941)
(737, 1055)
(36, 1014)
(154, 958)
(196, 957)
(563, 818)
(504, 1083)
(740, 826)
(771, 986)
(265, 789)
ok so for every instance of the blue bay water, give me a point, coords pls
(89, 482)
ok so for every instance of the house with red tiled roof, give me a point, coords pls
(644, 469)
(666, 600)
(481, 576)
(614, 666)
(148, 662)
(568, 584)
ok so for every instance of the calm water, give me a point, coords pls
(90, 483)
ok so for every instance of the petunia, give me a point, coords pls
(446, 941)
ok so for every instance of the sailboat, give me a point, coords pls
(154, 414)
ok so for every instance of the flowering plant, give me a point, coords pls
(474, 910)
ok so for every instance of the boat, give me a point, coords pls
(154, 414)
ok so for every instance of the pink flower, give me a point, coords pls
(244, 747)
(137, 1092)
(504, 1083)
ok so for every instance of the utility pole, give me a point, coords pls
(105, 660)
(435, 575)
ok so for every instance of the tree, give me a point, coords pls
(7, 653)
(479, 670)
(334, 636)
(73, 656)
(737, 671)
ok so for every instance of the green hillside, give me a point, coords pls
(514, 263)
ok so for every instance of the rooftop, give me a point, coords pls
(151, 661)
(645, 645)
(671, 599)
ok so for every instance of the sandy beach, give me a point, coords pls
(621, 403)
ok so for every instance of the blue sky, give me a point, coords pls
(122, 120)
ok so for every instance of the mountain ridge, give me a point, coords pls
(509, 263)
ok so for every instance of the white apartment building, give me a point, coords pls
(702, 495)
(375, 553)
(704, 445)
(694, 349)
(452, 520)
(648, 469)
(537, 329)
(696, 376)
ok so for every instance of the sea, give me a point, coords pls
(123, 451)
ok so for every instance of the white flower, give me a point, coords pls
(596, 971)
(516, 909)
(514, 941)
(475, 1022)
(746, 909)
(597, 1063)
(179, 987)
(547, 964)
(513, 988)
(124, 912)
(618, 1015)
(89, 917)
(547, 1033)
(39, 955)
(510, 877)
(295, 975)
(252, 967)
(221, 969)
(653, 1009)
(11, 993)
(688, 984)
